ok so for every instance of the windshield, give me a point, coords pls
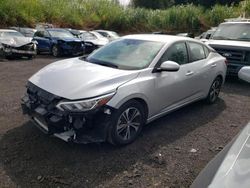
(97, 35)
(60, 33)
(239, 31)
(11, 34)
(88, 36)
(114, 34)
(128, 54)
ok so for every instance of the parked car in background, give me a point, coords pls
(110, 35)
(27, 32)
(41, 26)
(244, 73)
(191, 35)
(230, 168)
(232, 40)
(204, 37)
(112, 93)
(94, 37)
(89, 46)
(14, 44)
(58, 42)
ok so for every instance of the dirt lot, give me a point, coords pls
(161, 157)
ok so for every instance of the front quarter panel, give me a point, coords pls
(141, 87)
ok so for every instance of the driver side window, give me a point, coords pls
(177, 53)
(38, 34)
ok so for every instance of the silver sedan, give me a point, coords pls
(112, 93)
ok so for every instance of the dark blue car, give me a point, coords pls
(58, 42)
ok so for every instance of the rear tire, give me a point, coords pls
(214, 91)
(126, 123)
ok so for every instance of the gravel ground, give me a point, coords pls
(161, 157)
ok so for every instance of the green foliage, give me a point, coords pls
(219, 13)
(107, 14)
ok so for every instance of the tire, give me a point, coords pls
(126, 123)
(214, 91)
(55, 51)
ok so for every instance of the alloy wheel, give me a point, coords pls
(128, 123)
(215, 90)
(55, 51)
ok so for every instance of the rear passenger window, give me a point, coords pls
(196, 52)
(177, 53)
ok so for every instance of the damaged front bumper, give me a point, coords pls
(28, 49)
(85, 127)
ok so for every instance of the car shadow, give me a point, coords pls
(234, 85)
(30, 156)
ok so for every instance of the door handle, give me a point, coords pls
(189, 73)
(214, 65)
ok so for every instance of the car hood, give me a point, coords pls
(15, 41)
(234, 170)
(77, 79)
(99, 42)
(67, 39)
(229, 43)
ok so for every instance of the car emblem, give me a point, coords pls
(227, 55)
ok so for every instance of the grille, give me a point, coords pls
(75, 45)
(38, 96)
(235, 56)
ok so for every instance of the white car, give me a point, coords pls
(112, 93)
(230, 167)
(110, 35)
(13, 44)
(244, 73)
(93, 37)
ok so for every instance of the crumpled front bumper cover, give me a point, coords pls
(65, 125)
(28, 49)
(13, 50)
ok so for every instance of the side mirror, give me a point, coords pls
(168, 66)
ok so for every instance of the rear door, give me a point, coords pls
(199, 69)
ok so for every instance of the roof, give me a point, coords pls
(7, 30)
(236, 22)
(158, 38)
(56, 29)
(101, 30)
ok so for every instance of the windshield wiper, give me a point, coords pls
(221, 38)
(98, 62)
(107, 65)
(243, 39)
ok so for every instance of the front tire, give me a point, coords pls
(127, 123)
(214, 91)
(56, 51)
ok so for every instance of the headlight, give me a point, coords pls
(84, 105)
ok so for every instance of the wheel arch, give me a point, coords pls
(136, 97)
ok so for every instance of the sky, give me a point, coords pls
(124, 2)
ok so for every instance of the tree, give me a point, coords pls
(162, 4)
